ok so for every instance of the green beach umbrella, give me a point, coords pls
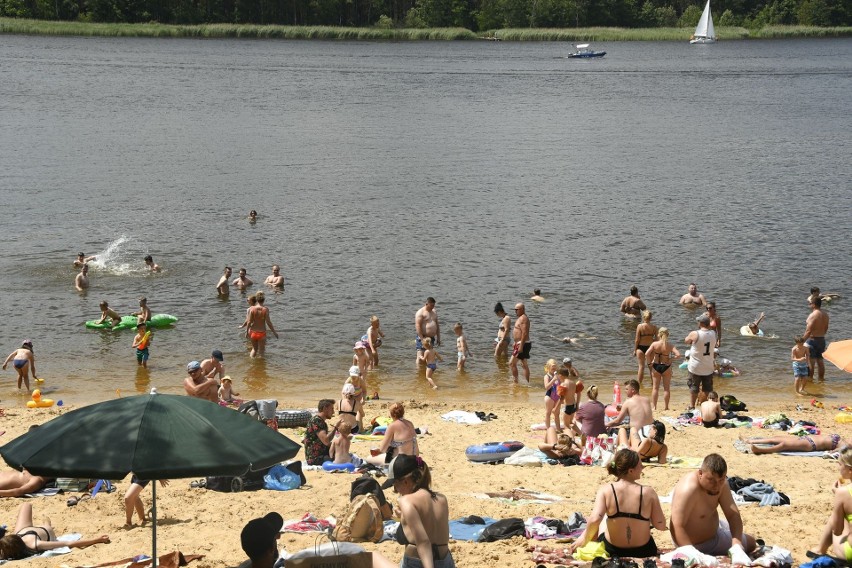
(155, 436)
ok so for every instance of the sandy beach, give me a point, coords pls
(197, 521)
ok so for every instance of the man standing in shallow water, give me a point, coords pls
(817, 327)
(275, 279)
(523, 346)
(692, 298)
(426, 325)
(81, 282)
(222, 286)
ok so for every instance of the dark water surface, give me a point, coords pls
(388, 172)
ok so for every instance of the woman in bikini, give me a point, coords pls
(715, 322)
(501, 349)
(558, 445)
(23, 360)
(789, 443)
(645, 334)
(400, 438)
(29, 540)
(628, 533)
(349, 408)
(660, 355)
(424, 526)
(257, 324)
(836, 532)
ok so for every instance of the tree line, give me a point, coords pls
(477, 15)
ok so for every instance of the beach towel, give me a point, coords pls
(520, 495)
(169, 560)
(677, 463)
(56, 551)
(460, 530)
(308, 523)
(461, 417)
(690, 555)
(368, 438)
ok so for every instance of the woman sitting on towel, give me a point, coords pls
(30, 540)
(424, 526)
(400, 437)
(836, 532)
(631, 510)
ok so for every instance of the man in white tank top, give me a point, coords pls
(701, 361)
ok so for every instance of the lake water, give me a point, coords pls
(388, 172)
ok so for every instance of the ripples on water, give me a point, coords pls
(388, 172)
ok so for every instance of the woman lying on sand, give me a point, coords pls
(789, 443)
(30, 540)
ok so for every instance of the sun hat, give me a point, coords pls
(348, 389)
(354, 371)
(227, 378)
(193, 366)
(359, 345)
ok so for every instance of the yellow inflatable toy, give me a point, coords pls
(843, 418)
(38, 402)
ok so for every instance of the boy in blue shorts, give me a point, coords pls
(801, 356)
(141, 343)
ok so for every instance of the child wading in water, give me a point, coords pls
(429, 356)
(552, 399)
(461, 346)
(141, 343)
(801, 357)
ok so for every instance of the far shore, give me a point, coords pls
(253, 31)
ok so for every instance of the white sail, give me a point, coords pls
(705, 24)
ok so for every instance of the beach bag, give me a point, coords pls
(729, 402)
(331, 555)
(525, 456)
(503, 529)
(74, 483)
(280, 478)
(367, 485)
(362, 521)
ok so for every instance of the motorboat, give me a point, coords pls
(583, 52)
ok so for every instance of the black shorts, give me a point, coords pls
(705, 382)
(524, 353)
(143, 482)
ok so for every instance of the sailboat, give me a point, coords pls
(704, 31)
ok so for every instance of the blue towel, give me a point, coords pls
(461, 531)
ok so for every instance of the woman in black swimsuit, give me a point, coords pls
(628, 533)
(659, 356)
(30, 540)
(645, 334)
(349, 408)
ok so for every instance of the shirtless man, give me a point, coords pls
(501, 349)
(275, 279)
(692, 298)
(426, 325)
(817, 327)
(537, 297)
(152, 266)
(695, 517)
(108, 313)
(82, 280)
(632, 305)
(213, 366)
(83, 259)
(199, 386)
(242, 281)
(522, 345)
(222, 286)
(638, 409)
(19, 483)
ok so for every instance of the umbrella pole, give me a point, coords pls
(154, 523)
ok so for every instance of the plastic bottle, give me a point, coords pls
(616, 395)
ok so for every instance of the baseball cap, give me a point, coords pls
(399, 467)
(704, 320)
(566, 360)
(218, 355)
(354, 371)
(258, 535)
(193, 366)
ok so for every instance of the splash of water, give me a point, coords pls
(119, 257)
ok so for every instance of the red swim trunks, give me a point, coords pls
(257, 335)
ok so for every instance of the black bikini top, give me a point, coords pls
(621, 515)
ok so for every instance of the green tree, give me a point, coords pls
(690, 17)
(814, 13)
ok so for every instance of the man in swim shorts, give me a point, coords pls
(222, 285)
(701, 364)
(695, 517)
(817, 327)
(638, 409)
(426, 325)
(522, 344)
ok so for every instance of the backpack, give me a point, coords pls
(729, 402)
(362, 521)
(366, 485)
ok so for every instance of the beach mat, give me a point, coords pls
(170, 560)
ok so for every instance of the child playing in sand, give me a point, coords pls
(226, 392)
(429, 356)
(339, 449)
(461, 346)
(801, 357)
(23, 359)
(141, 342)
(552, 399)
(570, 397)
